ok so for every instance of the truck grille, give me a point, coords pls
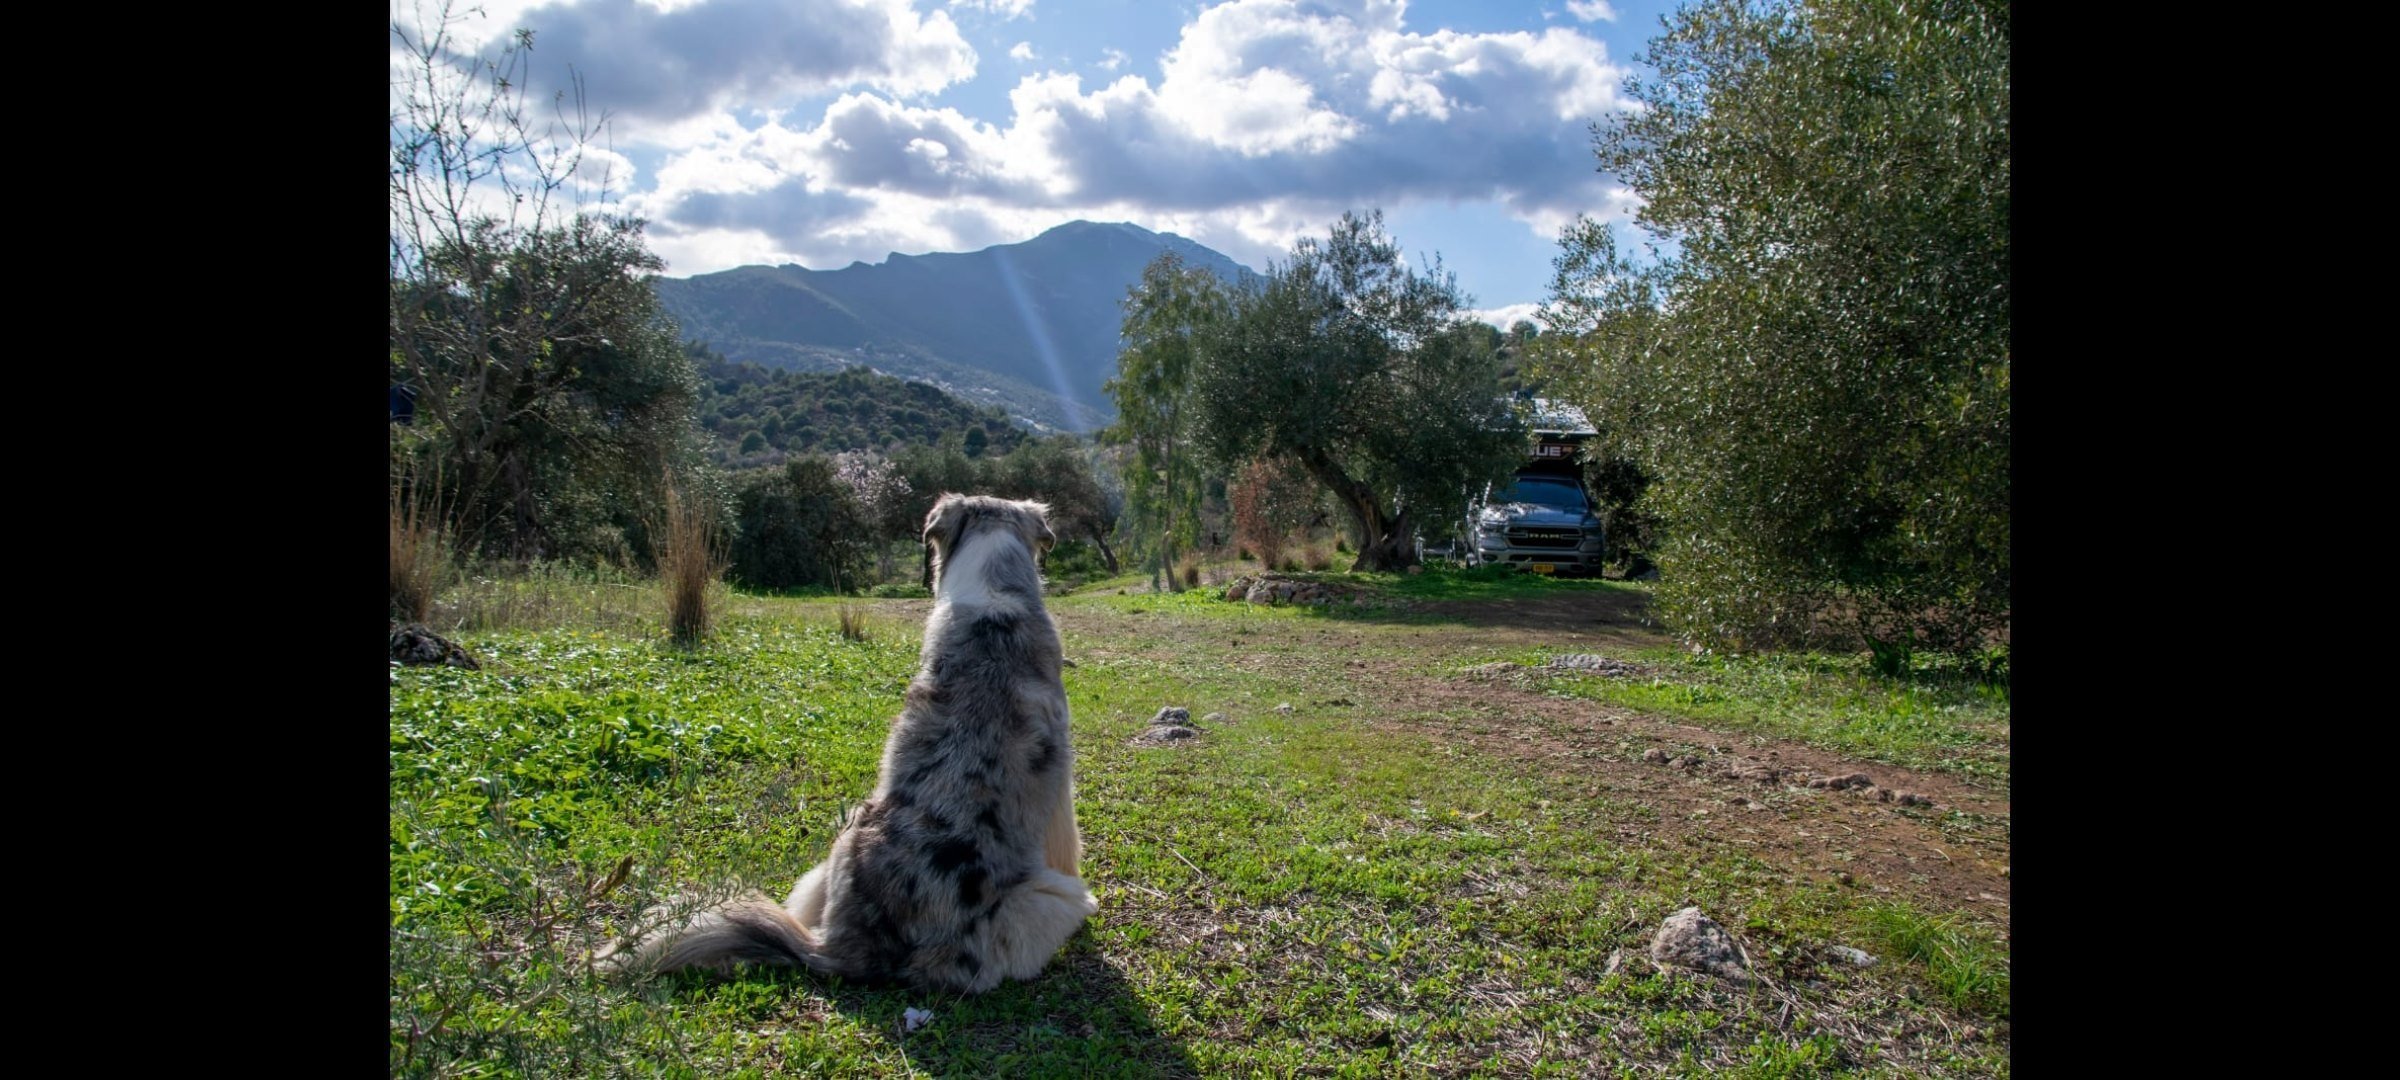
(1544, 538)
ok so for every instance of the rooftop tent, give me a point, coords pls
(1548, 417)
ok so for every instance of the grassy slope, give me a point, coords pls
(1304, 892)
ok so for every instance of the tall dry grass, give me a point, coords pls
(690, 560)
(420, 553)
(853, 622)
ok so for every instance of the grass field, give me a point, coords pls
(1414, 869)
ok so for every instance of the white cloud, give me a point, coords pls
(1006, 9)
(1505, 317)
(1268, 119)
(1592, 10)
(1021, 52)
(650, 64)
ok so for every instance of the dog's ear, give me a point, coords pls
(1043, 539)
(942, 525)
(942, 522)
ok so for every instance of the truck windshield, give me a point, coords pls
(1544, 491)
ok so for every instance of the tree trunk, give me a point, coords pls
(1107, 558)
(1395, 551)
(1385, 542)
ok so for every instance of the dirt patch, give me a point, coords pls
(1612, 612)
(1740, 789)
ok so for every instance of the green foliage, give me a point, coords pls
(1617, 485)
(797, 412)
(1818, 379)
(1058, 471)
(800, 526)
(1366, 374)
(1168, 317)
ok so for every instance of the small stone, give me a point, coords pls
(1213, 718)
(1859, 957)
(1285, 708)
(1655, 756)
(1172, 714)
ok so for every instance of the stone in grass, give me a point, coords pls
(1285, 708)
(1172, 724)
(1690, 939)
(1213, 718)
(1859, 957)
(1655, 756)
(414, 645)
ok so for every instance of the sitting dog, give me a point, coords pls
(960, 870)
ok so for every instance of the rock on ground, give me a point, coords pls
(1173, 724)
(415, 645)
(1690, 939)
(1595, 664)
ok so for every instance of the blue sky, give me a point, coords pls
(822, 132)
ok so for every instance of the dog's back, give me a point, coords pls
(960, 870)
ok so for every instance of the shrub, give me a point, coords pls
(801, 526)
(1270, 498)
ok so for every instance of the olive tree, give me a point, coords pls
(1368, 375)
(1816, 373)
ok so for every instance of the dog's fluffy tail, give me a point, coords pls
(751, 930)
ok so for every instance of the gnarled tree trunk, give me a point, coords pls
(1386, 542)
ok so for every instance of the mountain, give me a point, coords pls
(1029, 327)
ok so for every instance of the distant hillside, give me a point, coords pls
(794, 412)
(1030, 327)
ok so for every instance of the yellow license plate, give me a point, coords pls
(1545, 568)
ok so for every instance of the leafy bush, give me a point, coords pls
(800, 526)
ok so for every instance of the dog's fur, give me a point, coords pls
(960, 870)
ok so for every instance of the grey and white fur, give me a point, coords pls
(960, 869)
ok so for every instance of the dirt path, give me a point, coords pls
(1735, 788)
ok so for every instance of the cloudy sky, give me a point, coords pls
(822, 132)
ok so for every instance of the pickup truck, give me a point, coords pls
(1540, 521)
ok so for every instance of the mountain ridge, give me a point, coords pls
(1031, 326)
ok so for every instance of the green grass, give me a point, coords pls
(1962, 961)
(1930, 719)
(1302, 893)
